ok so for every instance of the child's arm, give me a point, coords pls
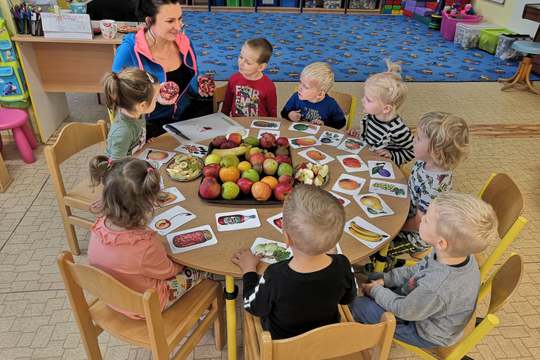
(398, 276)
(357, 133)
(350, 290)
(229, 96)
(156, 264)
(290, 110)
(403, 140)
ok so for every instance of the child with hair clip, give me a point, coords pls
(121, 244)
(382, 128)
(130, 94)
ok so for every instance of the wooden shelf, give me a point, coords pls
(98, 40)
(277, 9)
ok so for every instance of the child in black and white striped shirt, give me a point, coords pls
(382, 128)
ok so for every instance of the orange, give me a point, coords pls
(270, 180)
(229, 174)
(261, 191)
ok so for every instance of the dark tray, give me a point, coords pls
(245, 199)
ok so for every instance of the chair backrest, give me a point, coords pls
(333, 341)
(219, 97)
(505, 282)
(347, 103)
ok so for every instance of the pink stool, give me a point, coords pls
(17, 121)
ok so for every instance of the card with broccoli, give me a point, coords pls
(271, 251)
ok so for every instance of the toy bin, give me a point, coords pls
(448, 26)
(332, 4)
(233, 3)
(246, 3)
(13, 91)
(489, 38)
(467, 35)
(363, 4)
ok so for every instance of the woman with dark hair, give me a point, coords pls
(162, 49)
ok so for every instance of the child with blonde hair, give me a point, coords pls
(382, 128)
(130, 94)
(434, 299)
(311, 102)
(440, 144)
(121, 244)
(302, 293)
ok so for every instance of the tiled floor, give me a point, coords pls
(35, 316)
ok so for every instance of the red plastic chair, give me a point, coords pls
(17, 121)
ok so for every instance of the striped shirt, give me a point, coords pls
(393, 135)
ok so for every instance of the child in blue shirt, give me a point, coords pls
(311, 102)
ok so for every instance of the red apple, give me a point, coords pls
(228, 145)
(282, 141)
(235, 138)
(281, 190)
(211, 170)
(256, 158)
(267, 141)
(209, 188)
(286, 179)
(283, 159)
(244, 185)
(218, 141)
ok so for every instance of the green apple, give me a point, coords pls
(212, 159)
(229, 190)
(229, 161)
(251, 174)
(284, 169)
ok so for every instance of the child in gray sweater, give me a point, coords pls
(434, 300)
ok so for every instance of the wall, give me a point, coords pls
(507, 15)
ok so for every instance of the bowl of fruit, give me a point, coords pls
(247, 171)
(184, 167)
(311, 174)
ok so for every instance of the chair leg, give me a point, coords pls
(70, 230)
(219, 323)
(29, 136)
(1, 144)
(528, 82)
(24, 147)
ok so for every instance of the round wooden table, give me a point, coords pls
(216, 259)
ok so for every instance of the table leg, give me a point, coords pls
(230, 310)
(380, 258)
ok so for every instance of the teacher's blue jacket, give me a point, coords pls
(135, 52)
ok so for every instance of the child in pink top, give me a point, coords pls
(120, 242)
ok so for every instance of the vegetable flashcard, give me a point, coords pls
(352, 163)
(169, 220)
(368, 234)
(265, 124)
(349, 184)
(344, 201)
(277, 222)
(381, 169)
(170, 196)
(352, 145)
(271, 251)
(194, 149)
(331, 138)
(191, 239)
(237, 220)
(302, 142)
(388, 188)
(305, 127)
(316, 156)
(156, 157)
(373, 205)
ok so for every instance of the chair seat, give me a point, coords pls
(527, 47)
(177, 320)
(12, 118)
(82, 195)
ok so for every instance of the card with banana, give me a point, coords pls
(373, 205)
(368, 234)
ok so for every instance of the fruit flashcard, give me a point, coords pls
(170, 196)
(265, 124)
(331, 138)
(344, 201)
(373, 205)
(191, 239)
(349, 184)
(381, 169)
(169, 220)
(352, 145)
(352, 163)
(156, 157)
(316, 156)
(368, 234)
(266, 131)
(277, 222)
(305, 127)
(194, 149)
(237, 220)
(302, 142)
(272, 251)
(388, 188)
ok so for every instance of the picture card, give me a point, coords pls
(373, 205)
(388, 188)
(367, 233)
(237, 220)
(277, 222)
(331, 138)
(171, 196)
(266, 131)
(381, 169)
(302, 142)
(156, 157)
(194, 149)
(344, 201)
(305, 127)
(349, 184)
(191, 239)
(272, 251)
(316, 156)
(265, 124)
(352, 163)
(352, 145)
(169, 220)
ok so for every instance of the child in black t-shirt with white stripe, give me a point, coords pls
(382, 128)
(302, 293)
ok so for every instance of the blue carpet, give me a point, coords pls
(354, 45)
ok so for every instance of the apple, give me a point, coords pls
(261, 191)
(218, 141)
(209, 188)
(229, 190)
(257, 158)
(235, 138)
(228, 145)
(283, 159)
(229, 161)
(245, 185)
(280, 150)
(212, 159)
(285, 169)
(211, 170)
(282, 141)
(251, 175)
(269, 154)
(282, 189)
(270, 166)
(267, 141)
(285, 179)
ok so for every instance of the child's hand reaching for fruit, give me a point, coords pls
(354, 133)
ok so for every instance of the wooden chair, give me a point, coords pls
(331, 341)
(159, 332)
(502, 193)
(347, 103)
(5, 178)
(501, 286)
(73, 138)
(219, 97)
